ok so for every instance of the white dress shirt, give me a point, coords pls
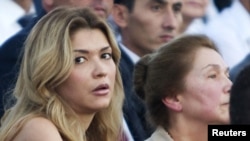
(134, 57)
(231, 33)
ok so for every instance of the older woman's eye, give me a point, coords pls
(212, 76)
(79, 60)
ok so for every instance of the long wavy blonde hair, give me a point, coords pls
(48, 58)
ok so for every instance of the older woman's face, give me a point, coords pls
(207, 92)
(90, 85)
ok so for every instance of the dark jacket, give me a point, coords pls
(11, 53)
(134, 108)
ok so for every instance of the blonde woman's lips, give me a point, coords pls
(101, 90)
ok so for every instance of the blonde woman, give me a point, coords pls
(69, 87)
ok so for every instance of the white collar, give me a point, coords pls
(134, 57)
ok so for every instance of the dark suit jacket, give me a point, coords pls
(11, 53)
(134, 108)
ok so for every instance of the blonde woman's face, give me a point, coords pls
(90, 85)
(207, 93)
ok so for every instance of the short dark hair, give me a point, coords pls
(128, 3)
(222, 4)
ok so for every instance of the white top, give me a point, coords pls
(160, 135)
(10, 13)
(127, 131)
(231, 33)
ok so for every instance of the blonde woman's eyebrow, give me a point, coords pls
(84, 51)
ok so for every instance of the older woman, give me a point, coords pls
(185, 86)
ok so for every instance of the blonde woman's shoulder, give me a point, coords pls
(38, 129)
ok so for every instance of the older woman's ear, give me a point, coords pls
(172, 103)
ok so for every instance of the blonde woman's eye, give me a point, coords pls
(107, 56)
(79, 60)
